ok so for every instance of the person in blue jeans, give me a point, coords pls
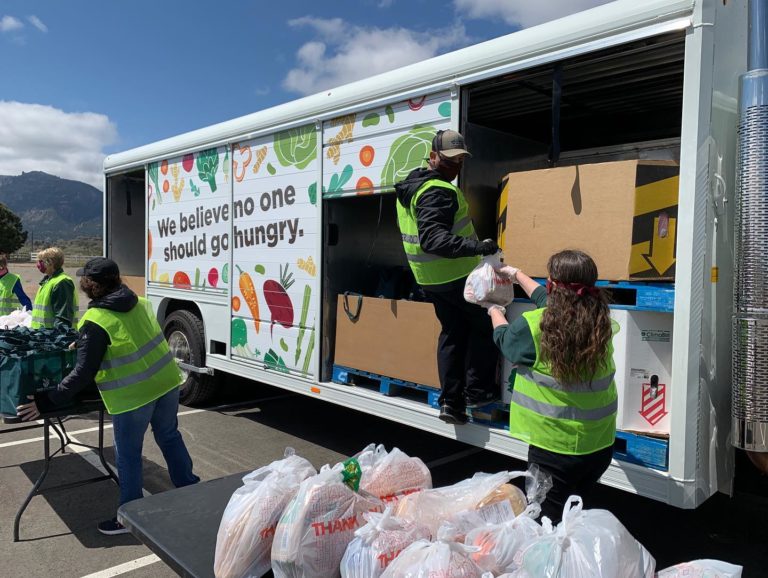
(122, 349)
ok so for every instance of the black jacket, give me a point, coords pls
(435, 212)
(91, 347)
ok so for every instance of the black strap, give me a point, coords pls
(352, 316)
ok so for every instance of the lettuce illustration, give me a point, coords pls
(296, 146)
(207, 165)
(407, 153)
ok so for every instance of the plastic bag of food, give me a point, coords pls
(586, 543)
(498, 543)
(378, 543)
(320, 522)
(485, 284)
(244, 540)
(391, 475)
(444, 557)
(702, 569)
(452, 503)
(16, 318)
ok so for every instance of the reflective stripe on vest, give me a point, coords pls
(428, 268)
(574, 418)
(8, 300)
(42, 312)
(138, 366)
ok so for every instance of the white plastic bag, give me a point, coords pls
(452, 503)
(498, 543)
(319, 523)
(487, 285)
(586, 543)
(391, 475)
(378, 543)
(244, 540)
(702, 569)
(16, 318)
(444, 557)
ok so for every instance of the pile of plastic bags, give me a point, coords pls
(17, 318)
(376, 515)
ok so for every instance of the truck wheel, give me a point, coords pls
(184, 332)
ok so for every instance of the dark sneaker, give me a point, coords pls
(474, 403)
(112, 528)
(452, 416)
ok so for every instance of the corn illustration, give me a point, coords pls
(261, 154)
(178, 185)
(308, 266)
(347, 124)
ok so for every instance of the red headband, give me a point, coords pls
(579, 288)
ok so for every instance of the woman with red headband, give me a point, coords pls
(564, 401)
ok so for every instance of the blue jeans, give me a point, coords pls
(129, 430)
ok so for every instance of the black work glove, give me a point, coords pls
(487, 247)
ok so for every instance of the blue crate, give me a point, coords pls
(388, 386)
(636, 295)
(642, 450)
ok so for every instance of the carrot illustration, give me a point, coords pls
(249, 294)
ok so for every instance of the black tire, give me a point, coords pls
(186, 337)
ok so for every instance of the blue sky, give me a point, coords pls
(82, 78)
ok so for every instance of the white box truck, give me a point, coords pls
(243, 234)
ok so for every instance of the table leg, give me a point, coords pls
(104, 463)
(38, 483)
(62, 434)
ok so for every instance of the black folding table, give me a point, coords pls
(180, 525)
(79, 407)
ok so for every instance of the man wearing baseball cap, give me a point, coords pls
(122, 349)
(442, 249)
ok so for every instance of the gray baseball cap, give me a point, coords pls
(450, 144)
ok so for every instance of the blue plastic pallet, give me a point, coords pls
(386, 385)
(642, 450)
(637, 295)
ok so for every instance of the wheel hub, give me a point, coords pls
(179, 346)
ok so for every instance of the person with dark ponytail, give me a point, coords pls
(564, 401)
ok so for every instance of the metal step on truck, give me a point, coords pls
(266, 243)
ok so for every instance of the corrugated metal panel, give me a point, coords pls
(591, 25)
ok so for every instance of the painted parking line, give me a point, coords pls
(124, 568)
(453, 457)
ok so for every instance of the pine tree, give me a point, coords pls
(12, 235)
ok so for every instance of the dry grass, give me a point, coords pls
(30, 280)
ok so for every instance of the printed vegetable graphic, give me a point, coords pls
(445, 109)
(296, 146)
(188, 162)
(390, 114)
(166, 185)
(310, 349)
(149, 244)
(153, 271)
(260, 269)
(416, 103)
(303, 321)
(366, 155)
(307, 265)
(236, 303)
(213, 277)
(178, 185)
(271, 169)
(225, 273)
(164, 167)
(371, 119)
(239, 339)
(181, 280)
(225, 166)
(207, 165)
(312, 192)
(336, 186)
(152, 170)
(197, 276)
(261, 154)
(249, 294)
(239, 167)
(283, 345)
(273, 361)
(278, 301)
(364, 186)
(347, 124)
(193, 187)
(163, 278)
(407, 153)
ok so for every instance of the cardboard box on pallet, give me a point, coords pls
(623, 214)
(643, 358)
(389, 337)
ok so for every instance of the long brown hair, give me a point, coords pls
(576, 325)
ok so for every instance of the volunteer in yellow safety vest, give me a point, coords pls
(12, 294)
(564, 400)
(442, 249)
(122, 349)
(56, 300)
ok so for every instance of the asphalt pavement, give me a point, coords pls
(252, 425)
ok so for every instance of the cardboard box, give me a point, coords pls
(641, 349)
(623, 214)
(135, 283)
(390, 337)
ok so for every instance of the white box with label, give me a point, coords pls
(643, 358)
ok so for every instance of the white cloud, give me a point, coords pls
(344, 52)
(523, 13)
(37, 23)
(35, 137)
(10, 23)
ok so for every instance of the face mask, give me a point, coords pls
(41, 266)
(3, 271)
